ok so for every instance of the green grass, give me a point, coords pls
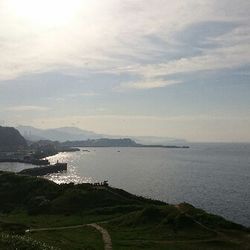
(37, 221)
(147, 245)
(85, 238)
(166, 227)
(147, 238)
(133, 230)
(133, 222)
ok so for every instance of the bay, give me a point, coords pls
(214, 177)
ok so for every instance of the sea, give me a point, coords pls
(214, 177)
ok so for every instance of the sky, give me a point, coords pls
(164, 68)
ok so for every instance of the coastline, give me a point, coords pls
(46, 206)
(193, 175)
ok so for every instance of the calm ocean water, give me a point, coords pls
(215, 177)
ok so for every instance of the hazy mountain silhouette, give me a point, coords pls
(11, 139)
(56, 134)
(77, 134)
(151, 140)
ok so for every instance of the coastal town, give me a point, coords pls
(20, 151)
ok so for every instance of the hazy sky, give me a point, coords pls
(175, 68)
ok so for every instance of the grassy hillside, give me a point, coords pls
(133, 222)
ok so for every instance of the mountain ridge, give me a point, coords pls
(56, 134)
(63, 134)
(11, 139)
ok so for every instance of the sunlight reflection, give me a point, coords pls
(71, 175)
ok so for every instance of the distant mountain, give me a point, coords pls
(107, 142)
(151, 140)
(11, 139)
(76, 134)
(56, 134)
(103, 142)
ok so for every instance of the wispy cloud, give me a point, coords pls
(116, 37)
(146, 84)
(218, 59)
(131, 46)
(27, 108)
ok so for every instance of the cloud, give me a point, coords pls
(133, 46)
(113, 36)
(218, 59)
(27, 108)
(147, 84)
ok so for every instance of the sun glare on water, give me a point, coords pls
(45, 12)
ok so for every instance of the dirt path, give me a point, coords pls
(105, 234)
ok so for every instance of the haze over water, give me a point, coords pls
(215, 177)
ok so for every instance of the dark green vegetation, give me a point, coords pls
(11, 139)
(133, 222)
(85, 238)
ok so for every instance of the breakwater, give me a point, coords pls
(49, 169)
(37, 162)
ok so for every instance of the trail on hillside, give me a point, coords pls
(108, 242)
(105, 234)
